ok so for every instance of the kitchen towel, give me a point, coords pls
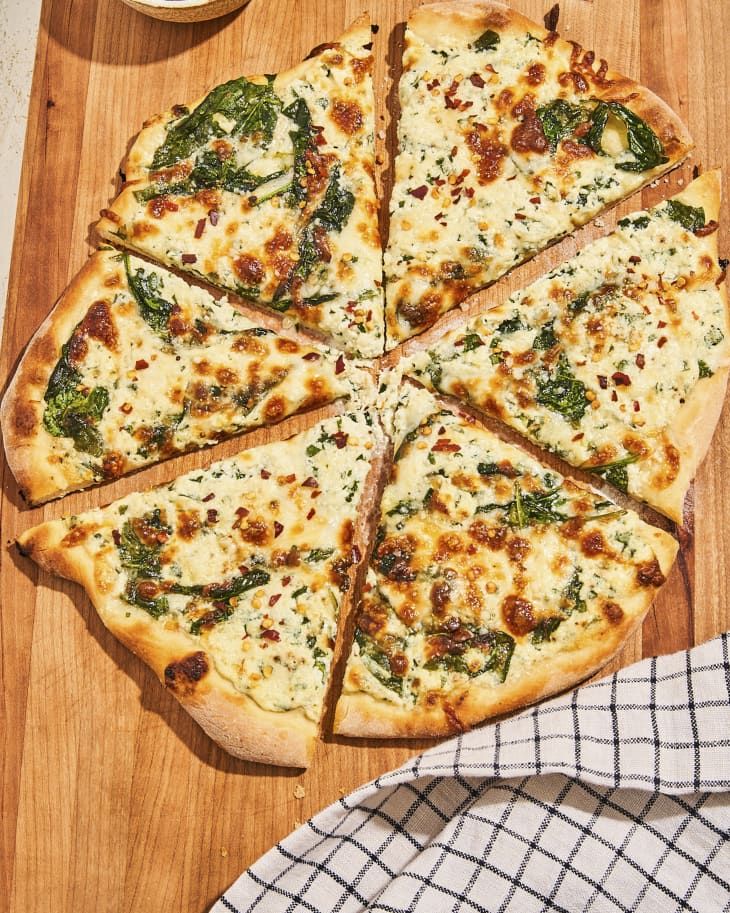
(611, 798)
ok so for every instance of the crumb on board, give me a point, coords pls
(224, 852)
(299, 791)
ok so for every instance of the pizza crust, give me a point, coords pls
(21, 412)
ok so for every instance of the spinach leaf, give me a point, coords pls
(530, 509)
(704, 369)
(497, 469)
(235, 586)
(643, 142)
(559, 119)
(571, 599)
(376, 661)
(639, 222)
(156, 606)
(219, 613)
(319, 554)
(72, 413)
(499, 644)
(252, 108)
(511, 325)
(145, 288)
(615, 472)
(138, 557)
(503, 646)
(487, 41)
(472, 341)
(689, 217)
(546, 628)
(546, 338)
(562, 392)
(578, 305)
(302, 141)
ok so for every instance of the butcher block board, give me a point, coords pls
(112, 798)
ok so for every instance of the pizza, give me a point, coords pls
(134, 365)
(265, 188)
(509, 138)
(618, 359)
(493, 582)
(229, 581)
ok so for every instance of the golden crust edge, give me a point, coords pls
(27, 387)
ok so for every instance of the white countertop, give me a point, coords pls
(19, 21)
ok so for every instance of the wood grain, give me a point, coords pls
(112, 798)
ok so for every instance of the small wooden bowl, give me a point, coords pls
(185, 10)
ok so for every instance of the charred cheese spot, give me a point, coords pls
(670, 467)
(256, 532)
(113, 465)
(440, 596)
(188, 524)
(77, 535)
(650, 574)
(491, 536)
(518, 615)
(593, 544)
(182, 676)
(275, 409)
(249, 269)
(488, 152)
(613, 612)
(347, 115)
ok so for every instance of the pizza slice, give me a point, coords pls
(265, 188)
(228, 582)
(618, 359)
(134, 365)
(509, 138)
(494, 582)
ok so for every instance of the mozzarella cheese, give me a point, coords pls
(634, 324)
(248, 560)
(276, 204)
(486, 565)
(489, 171)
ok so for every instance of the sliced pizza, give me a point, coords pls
(265, 188)
(229, 581)
(509, 138)
(134, 365)
(618, 359)
(493, 583)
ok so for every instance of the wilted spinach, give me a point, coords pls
(71, 412)
(562, 392)
(615, 472)
(689, 217)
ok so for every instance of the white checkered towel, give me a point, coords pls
(607, 799)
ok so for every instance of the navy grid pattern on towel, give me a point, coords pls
(611, 798)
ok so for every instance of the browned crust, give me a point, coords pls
(21, 412)
(362, 715)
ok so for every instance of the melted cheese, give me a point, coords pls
(288, 509)
(639, 319)
(215, 374)
(254, 240)
(453, 564)
(470, 199)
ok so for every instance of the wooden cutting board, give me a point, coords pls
(112, 798)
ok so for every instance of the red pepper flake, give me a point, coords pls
(707, 229)
(141, 364)
(278, 529)
(316, 494)
(445, 446)
(640, 361)
(311, 482)
(311, 513)
(287, 480)
(188, 258)
(212, 516)
(635, 259)
(311, 356)
(126, 408)
(274, 599)
(578, 437)
(621, 379)
(116, 537)
(661, 324)
(213, 216)
(602, 381)
(419, 192)
(442, 430)
(469, 192)
(242, 511)
(614, 396)
(320, 140)
(637, 407)
(200, 228)
(271, 634)
(453, 104)
(432, 85)
(661, 341)
(285, 581)
(243, 568)
(535, 201)
(476, 80)
(520, 216)
(208, 497)
(454, 149)
(340, 439)
(340, 365)
(265, 474)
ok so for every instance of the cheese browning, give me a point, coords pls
(597, 360)
(506, 143)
